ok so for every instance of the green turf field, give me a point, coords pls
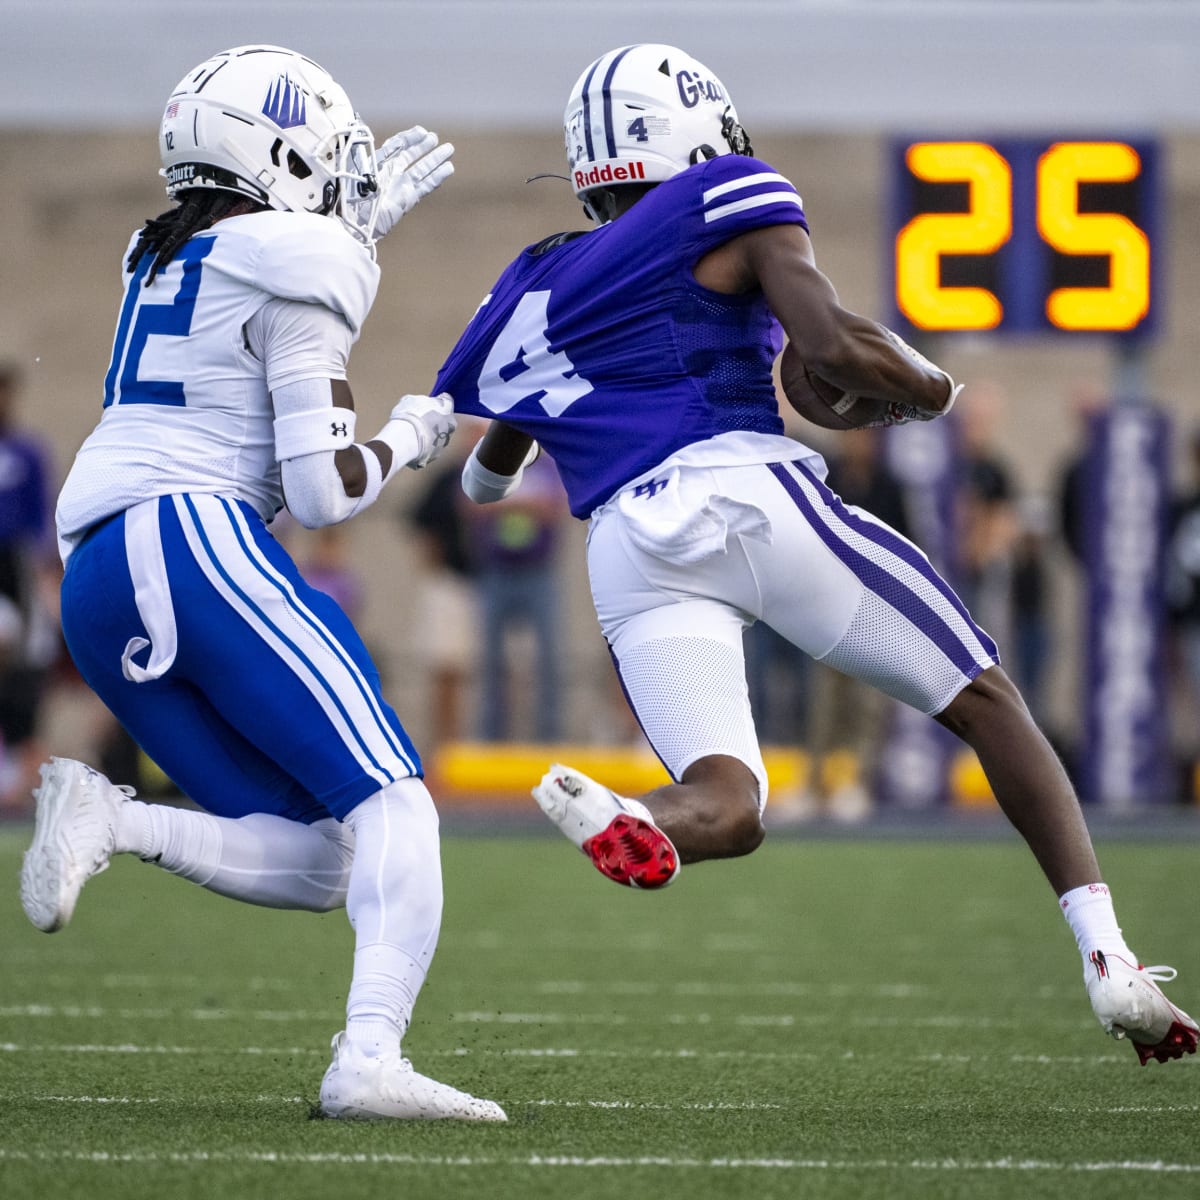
(826, 1018)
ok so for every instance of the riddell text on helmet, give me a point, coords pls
(609, 174)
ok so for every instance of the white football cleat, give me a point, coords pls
(361, 1087)
(1128, 1002)
(73, 839)
(617, 834)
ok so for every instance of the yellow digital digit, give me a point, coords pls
(1126, 300)
(982, 229)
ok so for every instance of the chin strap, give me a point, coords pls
(600, 206)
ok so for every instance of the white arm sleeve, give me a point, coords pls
(485, 486)
(315, 493)
(309, 431)
(304, 346)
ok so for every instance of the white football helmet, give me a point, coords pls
(272, 125)
(640, 114)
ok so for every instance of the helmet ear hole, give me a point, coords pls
(297, 166)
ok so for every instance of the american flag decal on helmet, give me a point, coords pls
(285, 104)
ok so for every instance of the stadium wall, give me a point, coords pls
(71, 200)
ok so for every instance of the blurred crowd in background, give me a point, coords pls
(491, 632)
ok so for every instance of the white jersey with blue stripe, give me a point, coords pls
(605, 338)
(187, 406)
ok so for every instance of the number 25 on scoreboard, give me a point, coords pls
(1024, 235)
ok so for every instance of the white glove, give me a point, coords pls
(922, 414)
(432, 417)
(408, 166)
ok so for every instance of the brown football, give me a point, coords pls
(815, 399)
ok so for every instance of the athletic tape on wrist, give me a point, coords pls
(402, 438)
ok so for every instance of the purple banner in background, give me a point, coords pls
(924, 458)
(914, 767)
(1125, 756)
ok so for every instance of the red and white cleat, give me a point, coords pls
(1129, 1004)
(617, 834)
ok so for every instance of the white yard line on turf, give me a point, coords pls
(95, 1012)
(14, 1096)
(683, 987)
(928, 1166)
(486, 1017)
(541, 1102)
(567, 1052)
(489, 1017)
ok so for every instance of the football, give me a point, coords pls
(823, 403)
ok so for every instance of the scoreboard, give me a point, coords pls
(1024, 235)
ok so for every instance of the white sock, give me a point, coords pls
(261, 859)
(394, 903)
(383, 992)
(132, 827)
(1089, 912)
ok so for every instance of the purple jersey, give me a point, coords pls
(604, 348)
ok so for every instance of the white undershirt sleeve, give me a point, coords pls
(298, 341)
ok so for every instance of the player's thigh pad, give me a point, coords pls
(679, 655)
(683, 670)
(904, 630)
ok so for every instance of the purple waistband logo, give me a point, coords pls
(650, 488)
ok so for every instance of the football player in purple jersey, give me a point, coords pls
(639, 357)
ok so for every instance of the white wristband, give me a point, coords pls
(485, 486)
(312, 431)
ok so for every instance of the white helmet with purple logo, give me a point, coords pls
(640, 114)
(272, 125)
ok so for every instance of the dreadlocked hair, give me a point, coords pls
(199, 208)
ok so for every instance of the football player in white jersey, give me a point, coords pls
(639, 356)
(225, 399)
